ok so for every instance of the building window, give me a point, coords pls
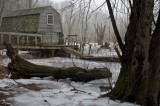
(50, 19)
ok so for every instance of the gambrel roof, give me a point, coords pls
(31, 11)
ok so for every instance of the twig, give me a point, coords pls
(75, 89)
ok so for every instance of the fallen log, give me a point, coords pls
(104, 59)
(24, 68)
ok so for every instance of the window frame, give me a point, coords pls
(48, 19)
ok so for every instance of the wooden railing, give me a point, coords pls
(39, 41)
(74, 42)
(26, 39)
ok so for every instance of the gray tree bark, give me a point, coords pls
(2, 5)
(139, 77)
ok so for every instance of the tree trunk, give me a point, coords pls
(138, 82)
(155, 64)
(118, 37)
(2, 5)
(24, 68)
(130, 36)
(30, 4)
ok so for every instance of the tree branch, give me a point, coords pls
(119, 40)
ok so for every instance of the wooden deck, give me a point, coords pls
(25, 41)
(29, 41)
(37, 47)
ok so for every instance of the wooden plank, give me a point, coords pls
(82, 48)
(35, 47)
(89, 49)
(1, 38)
(22, 34)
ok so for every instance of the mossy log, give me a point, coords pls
(27, 69)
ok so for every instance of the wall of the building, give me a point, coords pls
(24, 24)
(55, 30)
(44, 28)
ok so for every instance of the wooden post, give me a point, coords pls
(18, 39)
(89, 49)
(68, 40)
(35, 40)
(82, 48)
(65, 41)
(27, 41)
(10, 38)
(42, 39)
(74, 45)
(73, 42)
(51, 39)
(1, 38)
(76, 40)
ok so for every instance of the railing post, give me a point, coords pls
(89, 49)
(27, 40)
(42, 39)
(74, 45)
(82, 48)
(35, 40)
(51, 39)
(69, 40)
(1, 38)
(76, 40)
(10, 37)
(65, 41)
(18, 39)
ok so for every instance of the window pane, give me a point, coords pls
(50, 19)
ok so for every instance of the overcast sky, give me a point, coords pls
(98, 2)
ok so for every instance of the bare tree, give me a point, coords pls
(2, 5)
(31, 3)
(100, 31)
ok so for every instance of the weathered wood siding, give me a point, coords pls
(34, 21)
(25, 24)
(54, 38)
(44, 28)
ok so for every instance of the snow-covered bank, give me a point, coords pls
(52, 93)
(38, 92)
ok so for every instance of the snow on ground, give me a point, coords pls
(38, 92)
(7, 83)
(52, 93)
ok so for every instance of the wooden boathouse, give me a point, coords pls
(41, 20)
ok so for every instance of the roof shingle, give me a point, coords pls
(27, 11)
